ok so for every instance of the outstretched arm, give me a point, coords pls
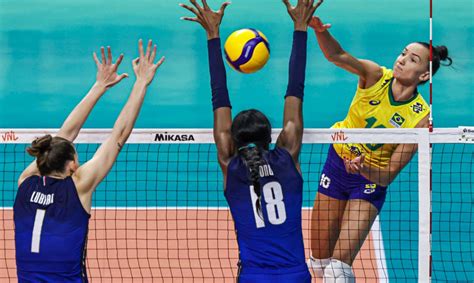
(291, 135)
(210, 20)
(384, 176)
(88, 176)
(106, 78)
(369, 72)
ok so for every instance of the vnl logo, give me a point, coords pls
(9, 136)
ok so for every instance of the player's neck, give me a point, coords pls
(402, 92)
(58, 175)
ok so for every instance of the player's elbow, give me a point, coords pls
(334, 57)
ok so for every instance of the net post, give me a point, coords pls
(424, 236)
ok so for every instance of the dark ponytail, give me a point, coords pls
(51, 153)
(440, 53)
(253, 158)
(252, 134)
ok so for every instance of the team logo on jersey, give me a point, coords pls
(325, 181)
(397, 120)
(374, 102)
(417, 107)
(369, 188)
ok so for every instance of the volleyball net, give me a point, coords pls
(161, 214)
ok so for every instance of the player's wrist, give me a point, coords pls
(301, 26)
(99, 86)
(212, 35)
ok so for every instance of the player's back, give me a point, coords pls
(50, 231)
(271, 243)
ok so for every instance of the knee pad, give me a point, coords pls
(317, 265)
(338, 272)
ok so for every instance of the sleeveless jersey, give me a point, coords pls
(375, 107)
(272, 242)
(51, 228)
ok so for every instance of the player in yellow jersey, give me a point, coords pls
(355, 177)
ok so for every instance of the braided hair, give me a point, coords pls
(251, 132)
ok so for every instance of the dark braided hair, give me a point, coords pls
(440, 53)
(51, 153)
(251, 132)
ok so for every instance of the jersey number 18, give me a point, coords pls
(273, 197)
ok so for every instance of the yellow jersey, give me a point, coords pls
(375, 107)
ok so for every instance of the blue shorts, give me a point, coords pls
(30, 277)
(335, 182)
(297, 277)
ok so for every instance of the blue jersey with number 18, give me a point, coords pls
(270, 242)
(50, 231)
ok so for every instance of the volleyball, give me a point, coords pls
(247, 50)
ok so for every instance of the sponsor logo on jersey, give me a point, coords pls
(397, 120)
(417, 107)
(385, 82)
(369, 188)
(173, 137)
(325, 181)
(374, 102)
(355, 150)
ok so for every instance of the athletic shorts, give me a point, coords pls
(30, 277)
(335, 182)
(297, 277)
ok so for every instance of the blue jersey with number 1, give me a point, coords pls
(270, 243)
(50, 231)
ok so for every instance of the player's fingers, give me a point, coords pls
(158, 64)
(287, 4)
(153, 54)
(317, 4)
(204, 4)
(191, 9)
(196, 4)
(190, 19)
(109, 55)
(122, 76)
(119, 60)
(96, 60)
(135, 62)
(102, 52)
(140, 48)
(223, 7)
(148, 49)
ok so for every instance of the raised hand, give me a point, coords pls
(144, 66)
(301, 13)
(318, 25)
(106, 70)
(210, 20)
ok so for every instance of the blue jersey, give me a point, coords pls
(51, 228)
(270, 243)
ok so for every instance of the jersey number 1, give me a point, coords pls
(273, 197)
(37, 226)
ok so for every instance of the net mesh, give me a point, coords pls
(161, 214)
